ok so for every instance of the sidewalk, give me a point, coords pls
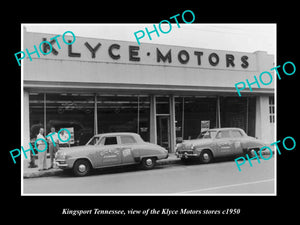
(33, 172)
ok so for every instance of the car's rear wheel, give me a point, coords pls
(148, 163)
(81, 167)
(206, 156)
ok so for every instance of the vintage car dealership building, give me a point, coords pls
(164, 93)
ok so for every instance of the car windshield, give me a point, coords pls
(93, 141)
(207, 134)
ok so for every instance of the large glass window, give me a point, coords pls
(234, 112)
(72, 111)
(162, 105)
(192, 113)
(239, 112)
(63, 110)
(36, 113)
(124, 113)
(75, 111)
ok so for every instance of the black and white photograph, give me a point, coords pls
(168, 109)
(125, 113)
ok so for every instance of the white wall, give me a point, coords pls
(264, 130)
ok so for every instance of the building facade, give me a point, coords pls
(164, 93)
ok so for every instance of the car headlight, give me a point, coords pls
(60, 155)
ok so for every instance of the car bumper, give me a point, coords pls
(186, 155)
(62, 164)
(162, 156)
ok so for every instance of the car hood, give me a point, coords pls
(188, 143)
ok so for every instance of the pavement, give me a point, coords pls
(34, 172)
(219, 178)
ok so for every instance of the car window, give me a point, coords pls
(236, 134)
(110, 141)
(207, 134)
(127, 140)
(93, 141)
(223, 134)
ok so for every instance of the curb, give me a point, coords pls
(57, 171)
(46, 173)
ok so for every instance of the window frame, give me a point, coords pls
(222, 137)
(120, 138)
(238, 131)
(104, 138)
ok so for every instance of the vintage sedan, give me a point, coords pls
(107, 150)
(219, 142)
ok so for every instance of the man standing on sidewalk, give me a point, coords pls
(53, 147)
(41, 145)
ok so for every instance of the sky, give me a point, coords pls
(230, 37)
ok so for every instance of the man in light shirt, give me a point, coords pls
(42, 149)
(53, 142)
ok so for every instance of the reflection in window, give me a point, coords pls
(124, 113)
(93, 141)
(207, 134)
(162, 105)
(223, 134)
(63, 110)
(236, 134)
(36, 113)
(70, 110)
(190, 111)
(127, 140)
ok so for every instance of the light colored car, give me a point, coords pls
(108, 150)
(219, 142)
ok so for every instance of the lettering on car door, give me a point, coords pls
(127, 145)
(110, 154)
(225, 144)
(237, 138)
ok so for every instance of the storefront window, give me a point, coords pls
(72, 111)
(124, 113)
(36, 113)
(234, 112)
(63, 110)
(197, 112)
(144, 117)
(179, 120)
(194, 114)
(162, 105)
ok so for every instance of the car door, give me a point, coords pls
(224, 143)
(237, 138)
(127, 147)
(110, 153)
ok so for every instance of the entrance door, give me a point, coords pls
(163, 131)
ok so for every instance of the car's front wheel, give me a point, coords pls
(81, 168)
(206, 156)
(148, 163)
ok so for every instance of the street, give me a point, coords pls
(218, 178)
